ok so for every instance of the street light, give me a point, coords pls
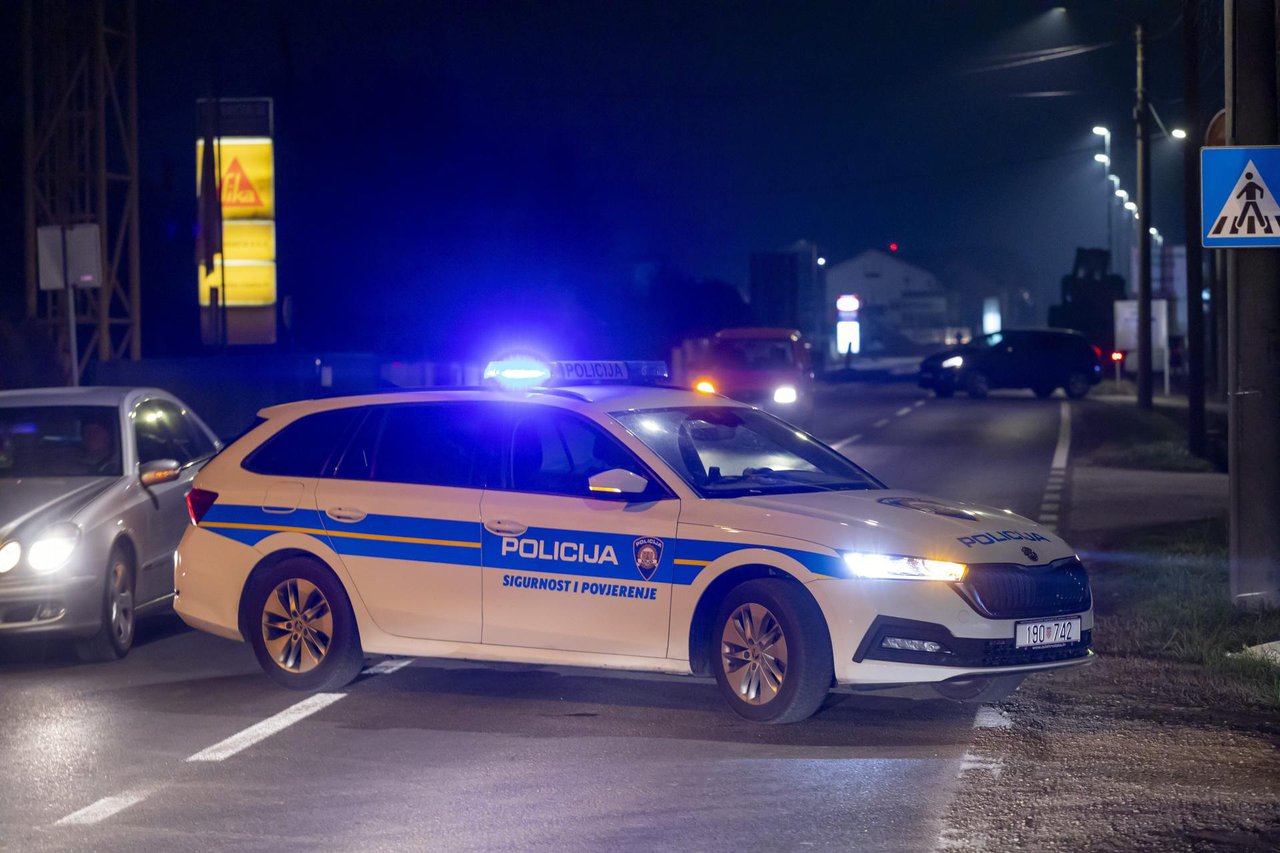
(1129, 205)
(1122, 195)
(1178, 133)
(1105, 159)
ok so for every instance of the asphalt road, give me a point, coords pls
(456, 755)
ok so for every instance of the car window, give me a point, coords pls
(160, 430)
(193, 440)
(60, 441)
(427, 444)
(303, 447)
(753, 353)
(557, 452)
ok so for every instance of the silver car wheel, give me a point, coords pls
(297, 625)
(753, 652)
(121, 602)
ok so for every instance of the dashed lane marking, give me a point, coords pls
(883, 422)
(388, 666)
(845, 442)
(919, 403)
(905, 410)
(242, 740)
(103, 809)
(1051, 503)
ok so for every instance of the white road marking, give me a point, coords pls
(1064, 438)
(905, 410)
(880, 423)
(261, 731)
(103, 809)
(919, 403)
(971, 763)
(388, 666)
(845, 442)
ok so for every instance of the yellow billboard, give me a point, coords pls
(247, 283)
(249, 240)
(248, 176)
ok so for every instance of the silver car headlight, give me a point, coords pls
(890, 567)
(53, 547)
(10, 554)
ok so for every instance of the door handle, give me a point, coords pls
(502, 527)
(345, 514)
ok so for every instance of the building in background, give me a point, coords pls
(787, 289)
(900, 308)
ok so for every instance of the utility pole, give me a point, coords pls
(1191, 214)
(1144, 231)
(1253, 297)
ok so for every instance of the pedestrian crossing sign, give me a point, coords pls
(1237, 206)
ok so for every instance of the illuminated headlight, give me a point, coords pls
(785, 394)
(954, 361)
(902, 568)
(9, 556)
(53, 547)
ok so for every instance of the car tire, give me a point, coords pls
(944, 391)
(299, 621)
(773, 653)
(979, 691)
(1045, 391)
(1077, 385)
(977, 386)
(114, 636)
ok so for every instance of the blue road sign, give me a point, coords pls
(1237, 206)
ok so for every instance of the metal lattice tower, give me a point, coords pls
(80, 140)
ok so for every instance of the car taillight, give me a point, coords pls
(1098, 351)
(198, 503)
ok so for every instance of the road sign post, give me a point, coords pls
(1239, 213)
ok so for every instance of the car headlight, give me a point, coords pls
(53, 547)
(9, 556)
(954, 361)
(785, 394)
(902, 568)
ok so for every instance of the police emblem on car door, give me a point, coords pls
(648, 554)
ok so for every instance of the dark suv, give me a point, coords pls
(1043, 360)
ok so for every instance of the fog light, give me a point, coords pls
(905, 645)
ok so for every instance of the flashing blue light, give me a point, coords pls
(517, 372)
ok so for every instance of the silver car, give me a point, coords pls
(93, 485)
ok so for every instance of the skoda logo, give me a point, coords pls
(1031, 555)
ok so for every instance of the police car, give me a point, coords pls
(574, 515)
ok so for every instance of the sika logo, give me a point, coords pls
(1031, 555)
(648, 554)
(237, 189)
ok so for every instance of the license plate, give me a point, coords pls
(1047, 632)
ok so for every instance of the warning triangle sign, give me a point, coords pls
(237, 189)
(1250, 210)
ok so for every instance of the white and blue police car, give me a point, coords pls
(574, 515)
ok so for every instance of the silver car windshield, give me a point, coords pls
(729, 452)
(60, 441)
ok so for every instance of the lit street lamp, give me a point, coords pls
(1105, 159)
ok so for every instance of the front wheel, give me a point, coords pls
(301, 626)
(774, 653)
(978, 385)
(115, 636)
(1077, 385)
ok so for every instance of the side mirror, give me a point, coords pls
(618, 481)
(159, 471)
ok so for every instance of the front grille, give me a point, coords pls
(1009, 591)
(972, 652)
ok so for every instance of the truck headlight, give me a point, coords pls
(902, 568)
(954, 361)
(785, 394)
(53, 547)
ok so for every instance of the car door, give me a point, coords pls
(402, 509)
(162, 430)
(565, 567)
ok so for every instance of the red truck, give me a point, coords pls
(766, 367)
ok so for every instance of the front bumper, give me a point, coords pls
(68, 606)
(858, 612)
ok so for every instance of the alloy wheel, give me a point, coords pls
(297, 625)
(753, 652)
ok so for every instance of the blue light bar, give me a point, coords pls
(517, 372)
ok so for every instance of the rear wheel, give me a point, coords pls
(115, 636)
(300, 624)
(1044, 390)
(1077, 385)
(978, 386)
(774, 653)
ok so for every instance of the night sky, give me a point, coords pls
(453, 177)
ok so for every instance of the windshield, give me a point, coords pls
(753, 354)
(60, 441)
(730, 452)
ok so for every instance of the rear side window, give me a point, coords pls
(426, 444)
(303, 447)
